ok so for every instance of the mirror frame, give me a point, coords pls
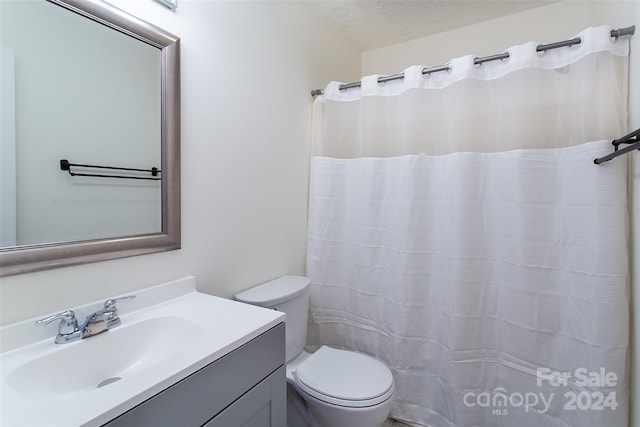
(30, 258)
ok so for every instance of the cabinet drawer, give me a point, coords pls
(202, 395)
(263, 406)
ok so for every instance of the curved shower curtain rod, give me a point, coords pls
(628, 31)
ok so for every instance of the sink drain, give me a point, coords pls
(108, 381)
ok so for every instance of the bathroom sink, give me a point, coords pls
(86, 365)
(168, 333)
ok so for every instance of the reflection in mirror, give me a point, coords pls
(76, 81)
(77, 89)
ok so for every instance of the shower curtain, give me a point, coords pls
(460, 232)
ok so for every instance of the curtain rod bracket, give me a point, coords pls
(633, 139)
(628, 31)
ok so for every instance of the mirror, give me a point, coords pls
(88, 85)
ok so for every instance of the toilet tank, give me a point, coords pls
(290, 295)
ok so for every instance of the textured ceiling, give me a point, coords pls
(377, 23)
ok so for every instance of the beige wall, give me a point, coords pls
(546, 24)
(247, 69)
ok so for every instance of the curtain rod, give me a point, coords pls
(628, 31)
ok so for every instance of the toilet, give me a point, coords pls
(330, 387)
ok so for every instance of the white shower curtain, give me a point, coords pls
(493, 283)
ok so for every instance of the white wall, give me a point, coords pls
(247, 69)
(7, 148)
(559, 21)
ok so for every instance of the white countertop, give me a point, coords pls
(220, 326)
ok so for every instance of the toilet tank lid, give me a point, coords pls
(275, 291)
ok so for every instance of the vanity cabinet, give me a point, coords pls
(246, 387)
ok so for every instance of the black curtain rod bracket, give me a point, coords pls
(65, 165)
(633, 139)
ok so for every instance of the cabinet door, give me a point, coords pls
(262, 406)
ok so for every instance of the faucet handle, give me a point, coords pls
(68, 322)
(111, 302)
(110, 312)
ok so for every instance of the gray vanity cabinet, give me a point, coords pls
(246, 387)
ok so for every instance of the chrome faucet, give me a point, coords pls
(96, 323)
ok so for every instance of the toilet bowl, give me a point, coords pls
(343, 388)
(330, 387)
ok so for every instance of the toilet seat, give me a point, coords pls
(344, 378)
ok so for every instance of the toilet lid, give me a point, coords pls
(355, 378)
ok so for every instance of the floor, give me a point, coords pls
(394, 423)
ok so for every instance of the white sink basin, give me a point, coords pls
(82, 366)
(169, 332)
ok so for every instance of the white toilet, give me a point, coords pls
(331, 387)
